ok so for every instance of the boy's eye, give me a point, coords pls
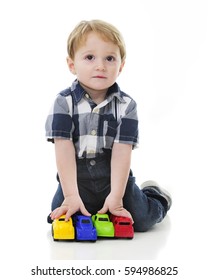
(89, 57)
(110, 58)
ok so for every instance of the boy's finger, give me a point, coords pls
(68, 215)
(103, 210)
(84, 211)
(54, 214)
(58, 212)
(124, 214)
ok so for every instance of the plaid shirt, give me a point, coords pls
(93, 128)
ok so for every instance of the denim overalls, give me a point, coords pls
(146, 207)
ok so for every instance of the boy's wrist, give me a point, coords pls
(116, 195)
(70, 192)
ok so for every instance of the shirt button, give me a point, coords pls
(92, 162)
(87, 95)
(91, 152)
(96, 111)
(93, 132)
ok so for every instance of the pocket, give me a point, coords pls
(110, 128)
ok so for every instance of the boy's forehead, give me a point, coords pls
(94, 41)
(92, 35)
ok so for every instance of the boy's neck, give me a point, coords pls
(97, 96)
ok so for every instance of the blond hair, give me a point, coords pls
(107, 31)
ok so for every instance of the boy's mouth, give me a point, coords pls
(99, 77)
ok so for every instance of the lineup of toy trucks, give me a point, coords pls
(84, 228)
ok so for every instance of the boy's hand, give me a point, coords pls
(70, 205)
(115, 206)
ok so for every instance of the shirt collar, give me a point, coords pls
(114, 91)
(77, 91)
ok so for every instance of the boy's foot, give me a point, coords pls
(152, 185)
(49, 220)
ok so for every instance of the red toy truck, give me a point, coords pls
(122, 226)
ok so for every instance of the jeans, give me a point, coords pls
(93, 176)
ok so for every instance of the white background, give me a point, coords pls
(166, 72)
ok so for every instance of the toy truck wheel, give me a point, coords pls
(53, 234)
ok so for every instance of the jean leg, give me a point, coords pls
(145, 209)
(58, 198)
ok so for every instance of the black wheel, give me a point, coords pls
(52, 231)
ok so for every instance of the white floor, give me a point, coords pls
(112, 249)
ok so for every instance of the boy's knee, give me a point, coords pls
(141, 227)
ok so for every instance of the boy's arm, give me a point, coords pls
(66, 165)
(120, 168)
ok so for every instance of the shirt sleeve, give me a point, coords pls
(128, 131)
(59, 121)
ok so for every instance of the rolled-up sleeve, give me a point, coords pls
(128, 131)
(59, 121)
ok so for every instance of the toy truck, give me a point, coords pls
(84, 228)
(103, 225)
(63, 230)
(123, 227)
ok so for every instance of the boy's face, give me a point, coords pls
(97, 64)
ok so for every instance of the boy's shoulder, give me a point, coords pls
(124, 94)
(75, 91)
(120, 94)
(127, 98)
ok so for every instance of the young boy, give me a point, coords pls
(94, 126)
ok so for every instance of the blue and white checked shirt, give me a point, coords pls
(93, 128)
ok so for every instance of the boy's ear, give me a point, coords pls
(70, 63)
(121, 67)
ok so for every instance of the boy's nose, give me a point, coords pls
(100, 66)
